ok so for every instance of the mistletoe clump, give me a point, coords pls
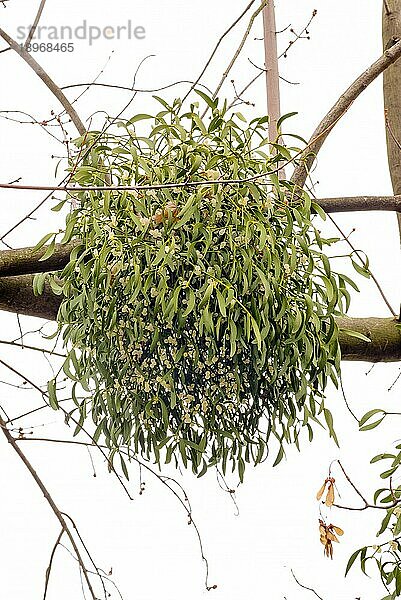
(200, 318)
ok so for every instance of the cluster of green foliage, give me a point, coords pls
(199, 318)
(387, 555)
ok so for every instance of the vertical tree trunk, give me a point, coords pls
(272, 73)
(392, 95)
(271, 63)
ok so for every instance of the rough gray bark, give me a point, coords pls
(16, 296)
(360, 203)
(392, 96)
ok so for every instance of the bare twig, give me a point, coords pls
(50, 84)
(27, 216)
(366, 504)
(351, 412)
(35, 24)
(165, 481)
(240, 47)
(283, 54)
(51, 503)
(304, 586)
(24, 346)
(130, 89)
(97, 570)
(66, 414)
(246, 88)
(49, 568)
(360, 258)
(352, 484)
(19, 374)
(195, 83)
(303, 34)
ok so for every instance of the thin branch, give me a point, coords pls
(366, 504)
(24, 346)
(304, 34)
(45, 397)
(27, 216)
(362, 261)
(304, 586)
(130, 89)
(159, 186)
(351, 412)
(49, 568)
(19, 374)
(283, 54)
(97, 570)
(195, 83)
(339, 109)
(165, 481)
(352, 484)
(240, 47)
(50, 84)
(35, 24)
(51, 503)
(246, 88)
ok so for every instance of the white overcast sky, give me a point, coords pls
(153, 552)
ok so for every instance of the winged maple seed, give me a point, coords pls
(328, 536)
(330, 491)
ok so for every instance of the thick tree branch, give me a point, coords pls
(339, 109)
(48, 81)
(25, 261)
(392, 100)
(385, 336)
(16, 295)
(358, 203)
